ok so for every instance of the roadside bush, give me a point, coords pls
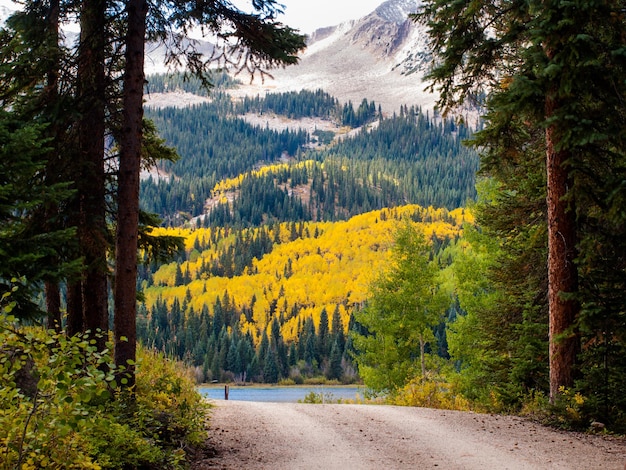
(168, 402)
(319, 398)
(566, 413)
(430, 394)
(62, 409)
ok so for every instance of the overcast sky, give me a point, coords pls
(308, 15)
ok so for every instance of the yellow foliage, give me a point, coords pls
(232, 184)
(430, 394)
(334, 268)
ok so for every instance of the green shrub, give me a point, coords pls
(567, 412)
(319, 380)
(167, 396)
(319, 398)
(61, 407)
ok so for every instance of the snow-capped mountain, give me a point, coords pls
(397, 11)
(6, 10)
(381, 57)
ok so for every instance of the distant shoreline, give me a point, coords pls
(260, 385)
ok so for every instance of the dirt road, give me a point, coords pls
(253, 435)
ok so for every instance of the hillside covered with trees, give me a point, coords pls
(277, 301)
(489, 344)
(410, 158)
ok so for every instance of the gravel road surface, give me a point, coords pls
(256, 435)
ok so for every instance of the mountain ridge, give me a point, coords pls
(381, 56)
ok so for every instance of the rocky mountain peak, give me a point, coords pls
(381, 57)
(397, 11)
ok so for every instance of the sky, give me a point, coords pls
(308, 15)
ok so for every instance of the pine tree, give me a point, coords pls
(335, 370)
(293, 354)
(558, 67)
(26, 253)
(337, 330)
(270, 367)
(322, 347)
(264, 346)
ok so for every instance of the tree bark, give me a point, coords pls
(91, 183)
(128, 190)
(562, 270)
(74, 308)
(51, 286)
(53, 305)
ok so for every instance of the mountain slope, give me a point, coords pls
(294, 274)
(380, 57)
(408, 158)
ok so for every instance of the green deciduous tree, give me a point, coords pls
(406, 303)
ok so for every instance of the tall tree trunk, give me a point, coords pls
(51, 286)
(74, 308)
(128, 189)
(91, 184)
(53, 305)
(562, 270)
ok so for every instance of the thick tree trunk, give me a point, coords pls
(562, 270)
(128, 189)
(51, 286)
(53, 305)
(91, 183)
(75, 323)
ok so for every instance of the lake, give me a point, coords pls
(280, 394)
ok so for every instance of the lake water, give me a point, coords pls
(280, 394)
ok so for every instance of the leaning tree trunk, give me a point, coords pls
(562, 270)
(92, 226)
(128, 190)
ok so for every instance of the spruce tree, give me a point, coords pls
(271, 372)
(27, 255)
(337, 330)
(558, 67)
(323, 346)
(335, 371)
